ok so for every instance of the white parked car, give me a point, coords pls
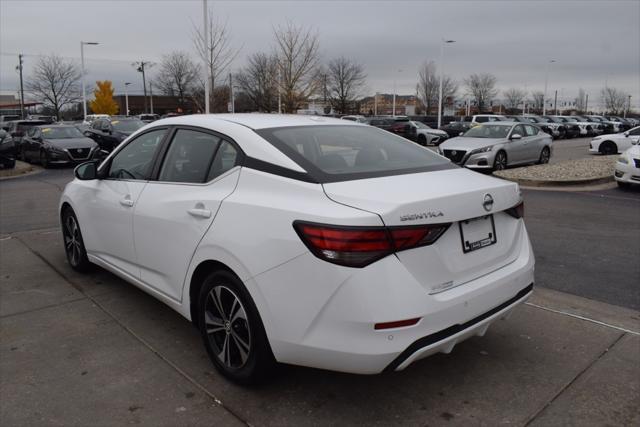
(359, 119)
(303, 240)
(487, 118)
(627, 170)
(615, 143)
(426, 135)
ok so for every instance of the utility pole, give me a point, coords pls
(141, 67)
(19, 67)
(625, 112)
(555, 102)
(443, 42)
(84, 94)
(151, 95)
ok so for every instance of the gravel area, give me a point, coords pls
(571, 170)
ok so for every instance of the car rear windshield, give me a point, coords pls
(341, 153)
(127, 125)
(488, 131)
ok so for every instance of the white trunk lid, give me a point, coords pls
(448, 196)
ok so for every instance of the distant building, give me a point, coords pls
(162, 104)
(382, 104)
(10, 104)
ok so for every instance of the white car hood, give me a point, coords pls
(426, 198)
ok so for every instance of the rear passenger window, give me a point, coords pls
(189, 157)
(531, 131)
(226, 158)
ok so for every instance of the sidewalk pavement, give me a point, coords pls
(93, 350)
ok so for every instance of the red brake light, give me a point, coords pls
(397, 324)
(360, 246)
(517, 211)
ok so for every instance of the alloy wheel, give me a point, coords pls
(227, 327)
(544, 156)
(72, 241)
(500, 162)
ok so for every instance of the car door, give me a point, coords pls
(175, 211)
(110, 204)
(516, 148)
(533, 144)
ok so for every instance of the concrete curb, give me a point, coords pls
(563, 183)
(21, 169)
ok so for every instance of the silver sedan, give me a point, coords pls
(498, 145)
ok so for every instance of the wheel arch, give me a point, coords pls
(203, 269)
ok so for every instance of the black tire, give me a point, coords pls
(623, 185)
(73, 242)
(422, 140)
(44, 160)
(608, 148)
(23, 155)
(545, 155)
(233, 334)
(500, 161)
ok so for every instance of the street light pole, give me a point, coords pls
(207, 80)
(441, 78)
(628, 107)
(546, 81)
(394, 94)
(126, 98)
(84, 94)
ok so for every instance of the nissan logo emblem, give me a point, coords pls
(454, 152)
(487, 203)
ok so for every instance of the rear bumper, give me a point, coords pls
(443, 341)
(323, 316)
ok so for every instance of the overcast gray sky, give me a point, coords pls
(593, 42)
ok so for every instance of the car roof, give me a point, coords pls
(256, 121)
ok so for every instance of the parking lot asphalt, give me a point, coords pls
(93, 350)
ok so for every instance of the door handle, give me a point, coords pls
(201, 213)
(126, 201)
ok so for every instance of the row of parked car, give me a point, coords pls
(37, 141)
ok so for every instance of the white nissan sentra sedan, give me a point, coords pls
(302, 240)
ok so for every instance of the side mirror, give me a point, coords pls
(515, 137)
(86, 171)
(626, 134)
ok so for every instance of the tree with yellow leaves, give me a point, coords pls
(103, 102)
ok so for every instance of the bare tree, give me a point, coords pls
(581, 101)
(214, 49)
(537, 99)
(614, 100)
(482, 88)
(298, 68)
(345, 81)
(514, 97)
(429, 87)
(258, 80)
(178, 74)
(55, 83)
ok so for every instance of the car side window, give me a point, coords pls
(519, 130)
(531, 131)
(635, 132)
(482, 119)
(135, 160)
(226, 158)
(189, 157)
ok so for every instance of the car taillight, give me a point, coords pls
(360, 246)
(517, 211)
